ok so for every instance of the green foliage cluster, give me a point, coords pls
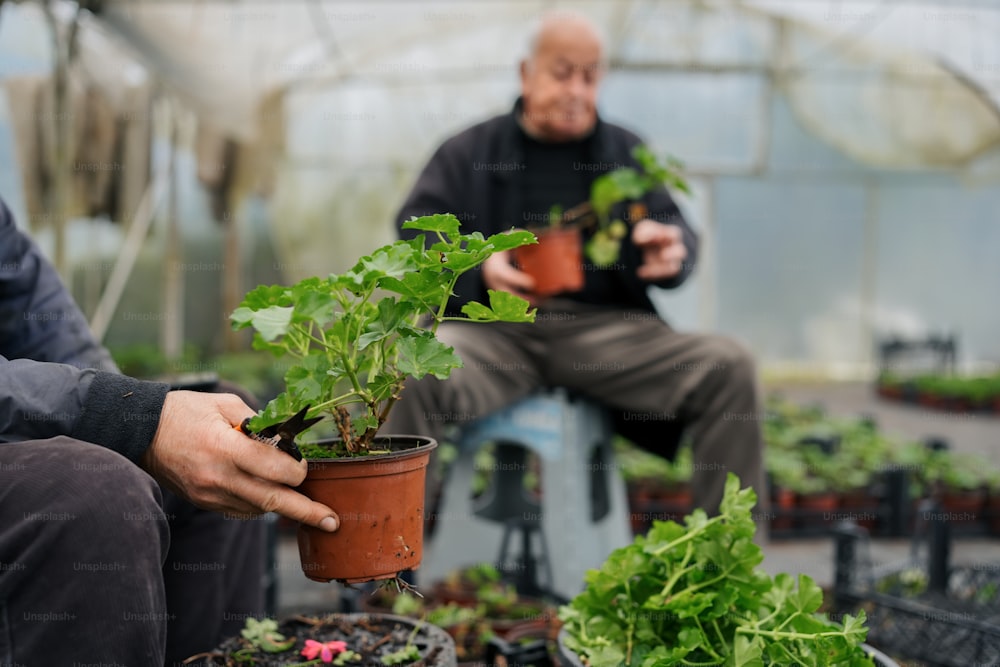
(624, 184)
(692, 595)
(976, 390)
(860, 451)
(638, 465)
(263, 634)
(354, 338)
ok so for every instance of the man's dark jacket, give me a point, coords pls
(476, 175)
(55, 378)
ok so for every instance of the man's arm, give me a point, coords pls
(43, 399)
(185, 440)
(38, 318)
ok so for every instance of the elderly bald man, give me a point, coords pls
(606, 340)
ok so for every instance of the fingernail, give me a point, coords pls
(329, 524)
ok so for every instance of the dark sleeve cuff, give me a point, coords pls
(121, 413)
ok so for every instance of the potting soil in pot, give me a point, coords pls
(373, 636)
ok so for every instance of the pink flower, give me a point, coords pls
(325, 650)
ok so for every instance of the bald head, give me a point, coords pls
(562, 24)
(560, 76)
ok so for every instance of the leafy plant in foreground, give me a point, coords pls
(354, 338)
(692, 595)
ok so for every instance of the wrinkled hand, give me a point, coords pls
(197, 453)
(500, 274)
(663, 249)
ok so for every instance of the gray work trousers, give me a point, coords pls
(99, 565)
(629, 360)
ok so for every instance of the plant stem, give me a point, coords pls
(707, 647)
(775, 634)
(630, 630)
(688, 536)
(681, 571)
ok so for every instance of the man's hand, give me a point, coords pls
(500, 274)
(663, 249)
(197, 453)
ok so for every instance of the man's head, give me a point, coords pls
(560, 76)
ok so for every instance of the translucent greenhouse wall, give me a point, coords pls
(808, 254)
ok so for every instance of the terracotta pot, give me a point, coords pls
(817, 508)
(380, 501)
(555, 262)
(963, 506)
(890, 392)
(783, 503)
(678, 497)
(861, 507)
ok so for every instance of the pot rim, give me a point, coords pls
(423, 445)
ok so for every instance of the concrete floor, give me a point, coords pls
(814, 556)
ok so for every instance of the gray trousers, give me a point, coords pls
(98, 565)
(629, 360)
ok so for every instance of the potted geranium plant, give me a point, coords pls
(556, 261)
(354, 338)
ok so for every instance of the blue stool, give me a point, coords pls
(579, 518)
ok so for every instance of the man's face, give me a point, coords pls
(559, 85)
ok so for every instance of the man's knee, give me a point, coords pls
(730, 358)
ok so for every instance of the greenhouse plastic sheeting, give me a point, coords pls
(805, 126)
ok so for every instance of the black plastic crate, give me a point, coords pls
(922, 608)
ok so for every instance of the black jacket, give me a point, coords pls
(475, 175)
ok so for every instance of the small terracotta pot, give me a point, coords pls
(555, 262)
(860, 506)
(816, 508)
(963, 506)
(380, 502)
(783, 502)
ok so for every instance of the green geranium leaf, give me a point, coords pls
(510, 308)
(512, 239)
(362, 423)
(747, 652)
(420, 356)
(263, 296)
(444, 223)
(391, 316)
(313, 301)
(423, 286)
(394, 260)
(477, 311)
(271, 322)
(503, 306)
